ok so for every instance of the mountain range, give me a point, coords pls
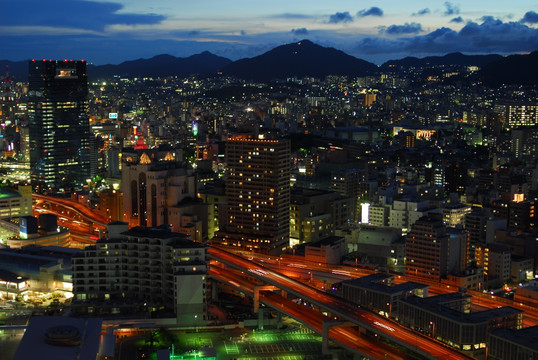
(448, 59)
(301, 59)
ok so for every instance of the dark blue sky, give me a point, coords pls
(111, 32)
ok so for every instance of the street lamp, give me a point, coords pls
(389, 304)
(432, 324)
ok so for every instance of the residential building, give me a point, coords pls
(142, 270)
(257, 209)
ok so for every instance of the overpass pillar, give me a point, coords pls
(279, 320)
(214, 291)
(257, 289)
(327, 324)
(260, 319)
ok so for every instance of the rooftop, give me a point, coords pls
(41, 328)
(524, 337)
(8, 193)
(437, 305)
(11, 277)
(376, 282)
(328, 241)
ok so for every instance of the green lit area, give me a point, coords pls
(295, 344)
(290, 343)
(4, 193)
(196, 355)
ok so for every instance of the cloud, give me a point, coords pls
(300, 31)
(451, 9)
(488, 18)
(407, 28)
(457, 20)
(530, 17)
(291, 16)
(79, 14)
(340, 17)
(491, 36)
(373, 11)
(421, 12)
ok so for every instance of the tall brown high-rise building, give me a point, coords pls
(257, 210)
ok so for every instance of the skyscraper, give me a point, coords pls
(257, 211)
(59, 125)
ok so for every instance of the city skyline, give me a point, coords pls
(112, 32)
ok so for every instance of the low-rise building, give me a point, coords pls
(471, 278)
(449, 318)
(527, 294)
(329, 250)
(454, 214)
(377, 292)
(315, 214)
(382, 246)
(34, 271)
(60, 337)
(521, 269)
(513, 344)
(495, 259)
(15, 203)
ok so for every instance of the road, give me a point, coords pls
(82, 222)
(347, 337)
(76, 207)
(343, 310)
(298, 269)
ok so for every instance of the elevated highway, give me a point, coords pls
(73, 209)
(346, 337)
(344, 311)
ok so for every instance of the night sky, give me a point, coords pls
(112, 32)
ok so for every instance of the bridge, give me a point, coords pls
(348, 315)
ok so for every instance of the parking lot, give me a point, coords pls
(298, 344)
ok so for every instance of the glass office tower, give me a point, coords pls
(59, 125)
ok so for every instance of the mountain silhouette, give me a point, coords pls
(161, 66)
(456, 58)
(299, 59)
(512, 70)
